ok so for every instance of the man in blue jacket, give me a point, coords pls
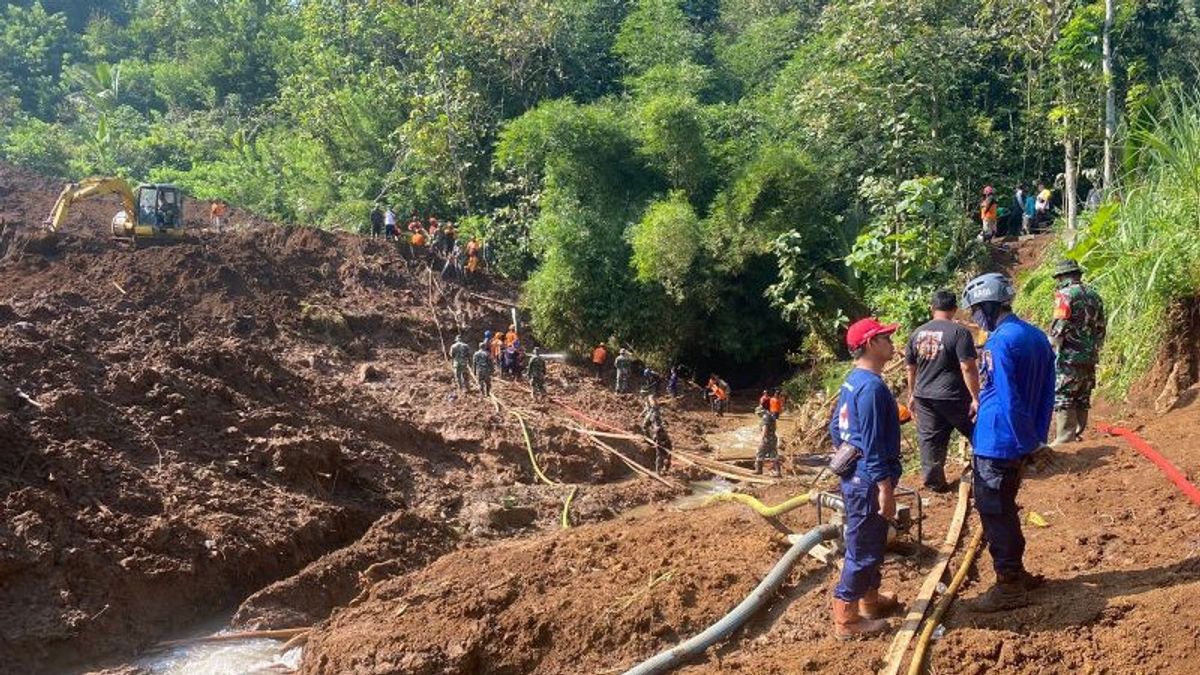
(867, 419)
(1016, 404)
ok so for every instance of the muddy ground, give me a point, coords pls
(266, 419)
(182, 425)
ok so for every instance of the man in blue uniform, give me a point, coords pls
(1016, 403)
(867, 420)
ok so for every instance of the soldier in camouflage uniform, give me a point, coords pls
(768, 445)
(1078, 333)
(623, 364)
(460, 356)
(654, 429)
(536, 372)
(483, 365)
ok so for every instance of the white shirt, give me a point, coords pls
(389, 218)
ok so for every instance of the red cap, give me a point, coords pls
(989, 190)
(865, 329)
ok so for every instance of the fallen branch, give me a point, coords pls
(281, 634)
(492, 300)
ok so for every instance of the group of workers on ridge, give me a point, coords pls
(1001, 397)
(434, 240)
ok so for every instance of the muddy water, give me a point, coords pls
(699, 492)
(227, 658)
(241, 657)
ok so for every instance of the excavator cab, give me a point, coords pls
(159, 208)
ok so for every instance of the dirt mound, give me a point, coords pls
(184, 424)
(396, 543)
(579, 601)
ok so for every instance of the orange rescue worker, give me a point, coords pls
(720, 397)
(216, 215)
(497, 345)
(473, 262)
(599, 356)
(775, 404)
(511, 336)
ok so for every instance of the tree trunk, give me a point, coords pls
(1070, 185)
(1110, 97)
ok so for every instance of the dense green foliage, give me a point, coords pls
(721, 179)
(1141, 254)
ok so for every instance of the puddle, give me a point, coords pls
(699, 492)
(740, 443)
(238, 657)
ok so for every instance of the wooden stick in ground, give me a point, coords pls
(895, 654)
(632, 464)
(282, 634)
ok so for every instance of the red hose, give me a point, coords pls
(1172, 472)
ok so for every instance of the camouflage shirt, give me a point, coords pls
(1079, 324)
(536, 367)
(483, 363)
(623, 363)
(460, 353)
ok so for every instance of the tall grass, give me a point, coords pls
(1143, 254)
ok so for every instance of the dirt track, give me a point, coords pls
(268, 415)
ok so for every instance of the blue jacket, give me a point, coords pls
(1030, 205)
(1016, 397)
(866, 417)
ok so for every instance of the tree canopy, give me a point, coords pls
(719, 181)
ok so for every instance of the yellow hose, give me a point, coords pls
(760, 508)
(566, 514)
(931, 624)
(529, 447)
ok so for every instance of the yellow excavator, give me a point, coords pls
(152, 211)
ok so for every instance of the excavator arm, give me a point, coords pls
(86, 189)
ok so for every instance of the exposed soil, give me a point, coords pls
(181, 425)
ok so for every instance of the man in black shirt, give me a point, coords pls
(943, 386)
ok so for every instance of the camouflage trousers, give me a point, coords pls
(622, 382)
(768, 449)
(1073, 385)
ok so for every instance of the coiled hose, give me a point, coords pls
(759, 597)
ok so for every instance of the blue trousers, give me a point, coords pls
(866, 538)
(996, 482)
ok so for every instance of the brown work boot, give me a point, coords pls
(1008, 593)
(1031, 582)
(876, 605)
(848, 624)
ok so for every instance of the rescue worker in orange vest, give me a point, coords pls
(989, 213)
(719, 395)
(473, 261)
(764, 401)
(511, 336)
(775, 403)
(599, 356)
(497, 345)
(216, 215)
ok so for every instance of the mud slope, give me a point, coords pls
(1122, 553)
(196, 421)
